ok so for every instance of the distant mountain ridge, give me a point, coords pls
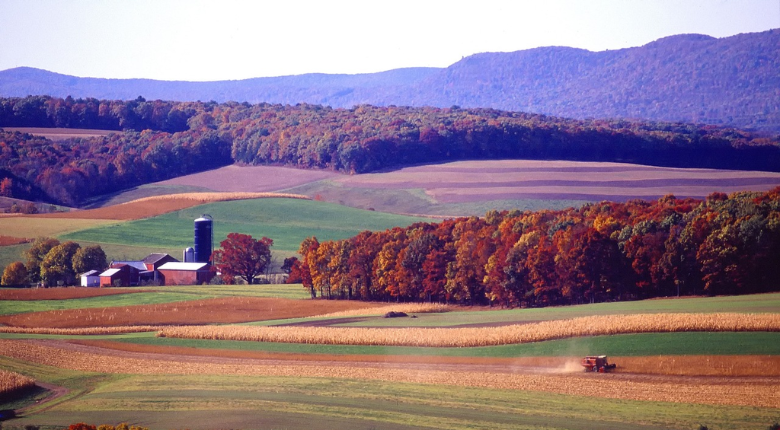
(731, 81)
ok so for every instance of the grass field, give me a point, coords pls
(285, 221)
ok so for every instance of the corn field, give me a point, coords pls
(79, 331)
(12, 381)
(485, 336)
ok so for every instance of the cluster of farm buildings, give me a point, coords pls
(162, 269)
(155, 269)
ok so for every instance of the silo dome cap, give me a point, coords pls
(204, 217)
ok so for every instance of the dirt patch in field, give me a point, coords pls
(10, 240)
(158, 205)
(760, 392)
(251, 178)
(61, 133)
(64, 293)
(219, 310)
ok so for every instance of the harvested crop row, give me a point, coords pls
(760, 392)
(79, 331)
(409, 308)
(485, 336)
(12, 381)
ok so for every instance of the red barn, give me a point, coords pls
(123, 275)
(175, 273)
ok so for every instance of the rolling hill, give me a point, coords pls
(692, 78)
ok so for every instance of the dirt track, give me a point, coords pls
(746, 391)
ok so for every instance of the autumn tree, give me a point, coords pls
(35, 255)
(243, 256)
(57, 266)
(15, 274)
(89, 258)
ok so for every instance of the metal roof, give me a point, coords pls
(137, 264)
(183, 266)
(110, 272)
(91, 273)
(153, 258)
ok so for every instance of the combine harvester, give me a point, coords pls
(597, 363)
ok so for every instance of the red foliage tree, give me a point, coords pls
(243, 256)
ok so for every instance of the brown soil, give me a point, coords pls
(61, 293)
(10, 240)
(219, 310)
(744, 391)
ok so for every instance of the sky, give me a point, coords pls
(229, 39)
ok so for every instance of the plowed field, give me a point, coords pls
(761, 392)
(219, 310)
(471, 181)
(64, 293)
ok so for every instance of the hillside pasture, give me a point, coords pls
(287, 221)
(475, 187)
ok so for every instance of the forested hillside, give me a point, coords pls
(691, 78)
(599, 252)
(166, 139)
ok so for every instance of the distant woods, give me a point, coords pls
(158, 140)
(600, 252)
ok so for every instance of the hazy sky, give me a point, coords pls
(215, 40)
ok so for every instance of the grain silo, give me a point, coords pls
(204, 238)
(189, 254)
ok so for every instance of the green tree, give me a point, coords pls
(15, 274)
(35, 255)
(89, 258)
(57, 266)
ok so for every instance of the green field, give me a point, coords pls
(415, 201)
(254, 402)
(759, 303)
(286, 221)
(157, 295)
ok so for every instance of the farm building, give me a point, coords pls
(120, 275)
(90, 279)
(176, 273)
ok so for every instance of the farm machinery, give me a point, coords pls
(597, 363)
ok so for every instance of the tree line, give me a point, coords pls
(599, 252)
(52, 263)
(161, 140)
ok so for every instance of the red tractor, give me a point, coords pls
(597, 363)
